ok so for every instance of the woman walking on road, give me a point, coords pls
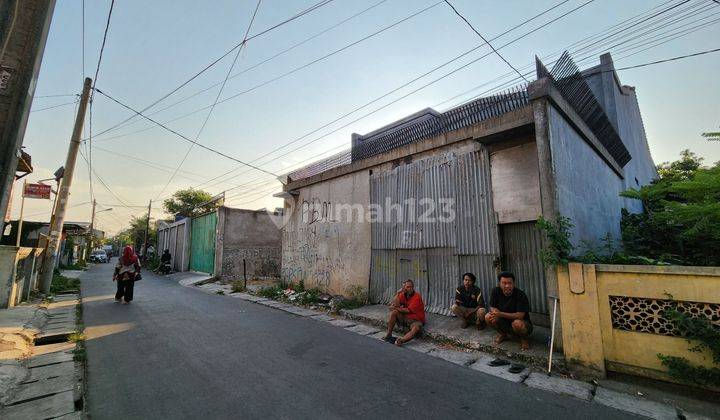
(126, 271)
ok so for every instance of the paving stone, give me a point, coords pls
(577, 389)
(481, 365)
(256, 299)
(42, 388)
(43, 408)
(77, 415)
(322, 317)
(457, 357)
(243, 296)
(44, 372)
(363, 329)
(342, 323)
(421, 346)
(379, 336)
(300, 311)
(49, 359)
(625, 402)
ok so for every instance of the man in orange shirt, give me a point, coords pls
(408, 308)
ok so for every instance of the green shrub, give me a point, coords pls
(703, 335)
(61, 284)
(238, 286)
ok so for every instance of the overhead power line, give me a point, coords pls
(483, 38)
(94, 81)
(182, 136)
(55, 106)
(417, 78)
(508, 83)
(301, 67)
(260, 63)
(217, 60)
(217, 97)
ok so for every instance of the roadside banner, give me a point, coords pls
(41, 191)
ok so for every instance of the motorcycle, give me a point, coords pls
(164, 267)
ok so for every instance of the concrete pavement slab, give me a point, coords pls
(43, 408)
(49, 359)
(11, 374)
(342, 323)
(625, 402)
(243, 296)
(42, 388)
(422, 346)
(49, 371)
(453, 356)
(53, 348)
(481, 365)
(577, 389)
(77, 415)
(380, 335)
(322, 317)
(363, 329)
(72, 274)
(300, 311)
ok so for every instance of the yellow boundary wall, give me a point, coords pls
(591, 341)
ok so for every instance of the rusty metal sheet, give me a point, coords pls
(522, 245)
(443, 278)
(383, 284)
(435, 193)
(476, 227)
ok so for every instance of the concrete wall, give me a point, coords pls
(516, 183)
(321, 245)
(621, 105)
(587, 190)
(18, 274)
(250, 236)
(613, 315)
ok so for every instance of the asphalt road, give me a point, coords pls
(176, 352)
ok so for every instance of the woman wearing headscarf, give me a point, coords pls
(127, 268)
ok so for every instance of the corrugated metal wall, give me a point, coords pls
(447, 228)
(173, 238)
(522, 243)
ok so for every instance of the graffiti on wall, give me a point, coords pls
(313, 246)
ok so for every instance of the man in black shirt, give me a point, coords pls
(510, 311)
(469, 302)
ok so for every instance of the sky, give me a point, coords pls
(291, 93)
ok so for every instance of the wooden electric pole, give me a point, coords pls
(56, 227)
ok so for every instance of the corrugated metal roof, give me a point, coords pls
(419, 126)
(339, 159)
(462, 116)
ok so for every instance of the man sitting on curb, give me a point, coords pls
(408, 308)
(469, 303)
(510, 311)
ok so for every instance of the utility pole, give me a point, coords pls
(147, 231)
(22, 209)
(89, 245)
(56, 227)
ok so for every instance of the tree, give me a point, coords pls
(135, 234)
(680, 222)
(188, 202)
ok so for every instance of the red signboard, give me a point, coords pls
(37, 191)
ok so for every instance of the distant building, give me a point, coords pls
(32, 233)
(438, 194)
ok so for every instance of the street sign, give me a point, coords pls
(41, 191)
